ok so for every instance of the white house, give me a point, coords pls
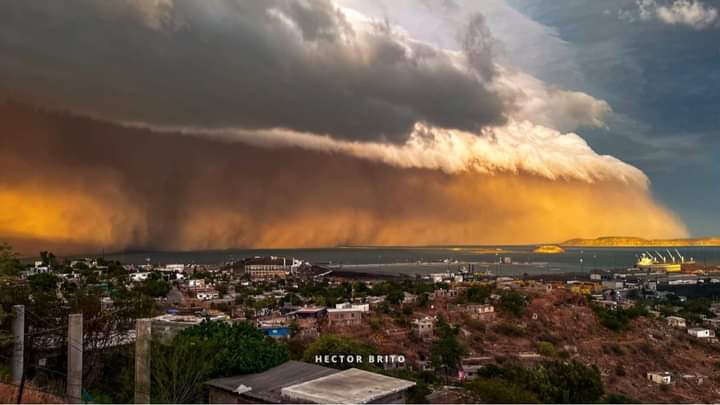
(207, 295)
(355, 307)
(196, 283)
(139, 276)
(660, 377)
(700, 332)
(676, 322)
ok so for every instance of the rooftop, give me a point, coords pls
(346, 387)
(266, 386)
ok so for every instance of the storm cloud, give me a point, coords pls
(82, 185)
(270, 64)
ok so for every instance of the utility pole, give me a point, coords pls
(142, 360)
(18, 358)
(75, 358)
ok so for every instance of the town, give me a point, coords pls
(285, 327)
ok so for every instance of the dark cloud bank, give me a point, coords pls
(251, 64)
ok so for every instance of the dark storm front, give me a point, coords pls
(499, 260)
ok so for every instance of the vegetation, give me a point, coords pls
(550, 382)
(208, 350)
(513, 302)
(446, 351)
(619, 319)
(499, 391)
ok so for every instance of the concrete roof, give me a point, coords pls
(265, 386)
(346, 387)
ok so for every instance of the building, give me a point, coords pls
(357, 307)
(263, 387)
(196, 283)
(470, 366)
(344, 316)
(676, 322)
(207, 295)
(298, 382)
(352, 386)
(480, 311)
(701, 332)
(660, 377)
(424, 328)
(168, 325)
(270, 267)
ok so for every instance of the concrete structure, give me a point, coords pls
(142, 360)
(18, 357)
(424, 328)
(270, 267)
(168, 325)
(207, 295)
(676, 322)
(660, 377)
(352, 386)
(480, 311)
(470, 366)
(700, 332)
(75, 358)
(357, 307)
(264, 387)
(344, 317)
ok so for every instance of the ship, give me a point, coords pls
(658, 262)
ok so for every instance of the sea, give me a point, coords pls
(500, 260)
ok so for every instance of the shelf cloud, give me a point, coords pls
(185, 124)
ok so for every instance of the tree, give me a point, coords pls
(478, 293)
(394, 297)
(180, 368)
(9, 264)
(513, 302)
(241, 347)
(446, 351)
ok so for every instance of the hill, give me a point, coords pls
(629, 241)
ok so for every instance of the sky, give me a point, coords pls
(177, 124)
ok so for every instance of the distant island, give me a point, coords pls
(630, 241)
(549, 249)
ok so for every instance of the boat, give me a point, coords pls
(658, 262)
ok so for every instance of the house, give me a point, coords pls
(352, 386)
(424, 328)
(207, 295)
(270, 267)
(660, 377)
(480, 311)
(356, 307)
(612, 284)
(308, 313)
(298, 382)
(263, 387)
(344, 316)
(701, 332)
(607, 304)
(470, 366)
(196, 283)
(409, 298)
(168, 325)
(676, 322)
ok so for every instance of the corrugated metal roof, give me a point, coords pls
(266, 386)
